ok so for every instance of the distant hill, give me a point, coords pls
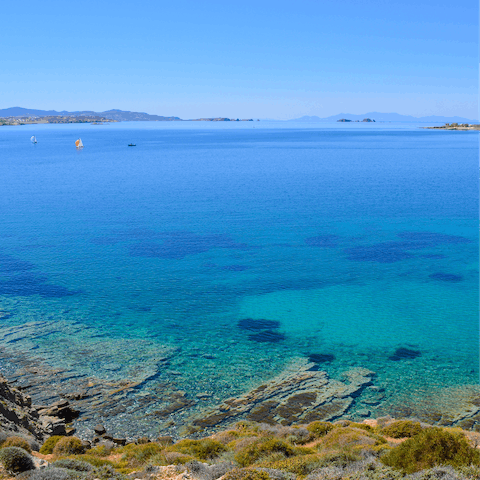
(119, 115)
(385, 117)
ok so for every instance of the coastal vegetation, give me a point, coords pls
(376, 449)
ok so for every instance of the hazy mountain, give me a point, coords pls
(385, 117)
(119, 115)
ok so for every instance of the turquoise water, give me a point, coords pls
(352, 241)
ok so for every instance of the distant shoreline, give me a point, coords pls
(455, 126)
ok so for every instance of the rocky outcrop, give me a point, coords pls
(301, 394)
(19, 416)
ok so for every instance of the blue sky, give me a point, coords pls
(262, 59)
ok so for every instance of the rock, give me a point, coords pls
(142, 440)
(298, 395)
(99, 429)
(86, 444)
(119, 441)
(364, 412)
(107, 437)
(203, 395)
(106, 443)
(53, 425)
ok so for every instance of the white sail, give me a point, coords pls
(34, 139)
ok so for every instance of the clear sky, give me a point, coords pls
(263, 59)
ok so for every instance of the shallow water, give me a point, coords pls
(349, 242)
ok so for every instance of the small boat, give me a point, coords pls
(132, 144)
(79, 143)
(33, 139)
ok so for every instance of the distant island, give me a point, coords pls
(384, 117)
(347, 120)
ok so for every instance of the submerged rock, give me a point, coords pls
(297, 395)
(405, 354)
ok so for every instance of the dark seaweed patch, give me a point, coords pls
(9, 264)
(255, 324)
(235, 268)
(325, 241)
(104, 241)
(433, 238)
(433, 256)
(446, 277)
(267, 336)
(321, 357)
(388, 252)
(403, 353)
(181, 244)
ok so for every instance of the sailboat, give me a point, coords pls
(33, 139)
(79, 143)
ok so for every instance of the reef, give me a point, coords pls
(300, 394)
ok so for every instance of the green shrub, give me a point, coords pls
(95, 461)
(53, 473)
(17, 442)
(319, 429)
(262, 448)
(49, 445)
(402, 429)
(201, 449)
(362, 426)
(72, 464)
(100, 451)
(244, 474)
(68, 446)
(107, 472)
(302, 465)
(16, 459)
(431, 447)
(140, 454)
(338, 459)
(340, 438)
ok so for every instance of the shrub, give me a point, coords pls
(49, 445)
(402, 429)
(201, 449)
(100, 451)
(16, 459)
(319, 429)
(17, 442)
(244, 474)
(350, 437)
(140, 454)
(338, 459)
(68, 446)
(226, 436)
(262, 448)
(95, 461)
(176, 458)
(299, 465)
(431, 447)
(72, 464)
(362, 426)
(107, 472)
(53, 473)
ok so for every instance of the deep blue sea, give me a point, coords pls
(357, 243)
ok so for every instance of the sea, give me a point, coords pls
(212, 256)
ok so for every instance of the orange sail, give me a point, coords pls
(79, 143)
